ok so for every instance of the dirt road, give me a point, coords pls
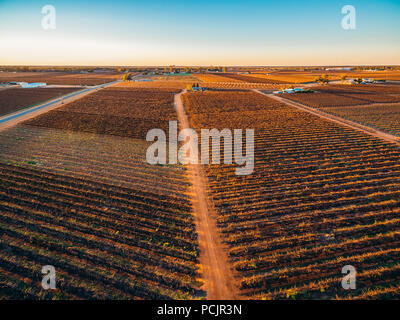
(219, 282)
(12, 119)
(336, 119)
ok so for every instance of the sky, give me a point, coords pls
(219, 33)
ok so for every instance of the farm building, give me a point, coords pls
(195, 87)
(339, 69)
(295, 90)
(143, 80)
(33, 85)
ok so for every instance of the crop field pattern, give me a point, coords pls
(248, 78)
(372, 105)
(321, 196)
(221, 81)
(61, 78)
(14, 99)
(113, 226)
(127, 112)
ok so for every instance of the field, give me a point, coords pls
(14, 99)
(372, 105)
(213, 77)
(243, 86)
(250, 79)
(76, 192)
(322, 196)
(384, 117)
(337, 96)
(113, 226)
(296, 76)
(216, 82)
(366, 93)
(61, 78)
(120, 111)
(288, 77)
(156, 84)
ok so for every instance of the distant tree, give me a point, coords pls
(323, 79)
(126, 77)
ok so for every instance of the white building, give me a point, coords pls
(33, 85)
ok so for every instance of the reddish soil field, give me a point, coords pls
(120, 111)
(345, 95)
(367, 93)
(321, 196)
(61, 78)
(251, 79)
(384, 117)
(113, 226)
(14, 99)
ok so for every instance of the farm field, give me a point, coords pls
(384, 117)
(310, 76)
(367, 93)
(174, 78)
(250, 79)
(14, 99)
(113, 226)
(244, 86)
(61, 78)
(179, 85)
(372, 105)
(322, 196)
(288, 77)
(213, 77)
(338, 96)
(175, 86)
(76, 193)
(117, 111)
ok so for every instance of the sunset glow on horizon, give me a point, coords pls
(184, 33)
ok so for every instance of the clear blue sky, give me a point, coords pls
(199, 33)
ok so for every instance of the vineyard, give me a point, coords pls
(299, 76)
(322, 196)
(213, 77)
(250, 79)
(384, 117)
(14, 99)
(374, 106)
(61, 78)
(243, 85)
(113, 226)
(117, 111)
(288, 77)
(76, 193)
(337, 96)
(175, 86)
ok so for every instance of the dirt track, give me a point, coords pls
(219, 282)
(356, 126)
